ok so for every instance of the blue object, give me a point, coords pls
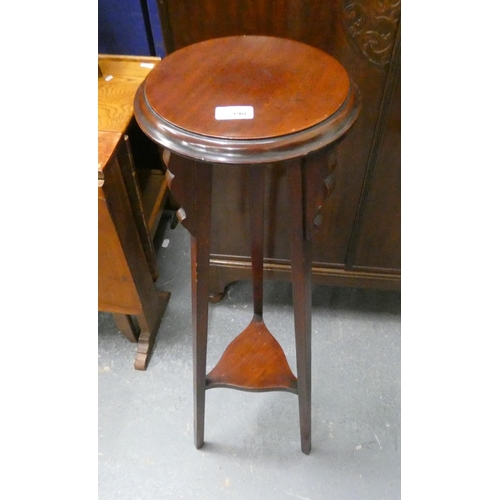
(129, 27)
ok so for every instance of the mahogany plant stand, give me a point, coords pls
(251, 102)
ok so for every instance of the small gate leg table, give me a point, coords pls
(251, 102)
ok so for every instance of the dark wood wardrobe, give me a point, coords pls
(359, 241)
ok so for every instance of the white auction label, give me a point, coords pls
(234, 112)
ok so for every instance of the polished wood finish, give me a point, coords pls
(301, 141)
(316, 121)
(130, 202)
(358, 243)
(253, 361)
(257, 178)
(300, 245)
(200, 255)
(250, 64)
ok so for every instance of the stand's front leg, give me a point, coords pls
(301, 283)
(191, 185)
(200, 258)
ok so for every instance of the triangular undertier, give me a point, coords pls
(253, 361)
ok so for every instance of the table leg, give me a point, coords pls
(257, 178)
(200, 256)
(301, 283)
(149, 322)
(126, 326)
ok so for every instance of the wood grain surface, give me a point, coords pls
(290, 85)
(121, 76)
(253, 361)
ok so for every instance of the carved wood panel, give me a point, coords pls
(371, 27)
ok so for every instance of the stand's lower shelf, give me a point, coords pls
(253, 361)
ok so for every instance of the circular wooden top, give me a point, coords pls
(292, 88)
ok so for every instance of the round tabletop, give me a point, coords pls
(246, 99)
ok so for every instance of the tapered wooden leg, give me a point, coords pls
(256, 194)
(200, 255)
(301, 283)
